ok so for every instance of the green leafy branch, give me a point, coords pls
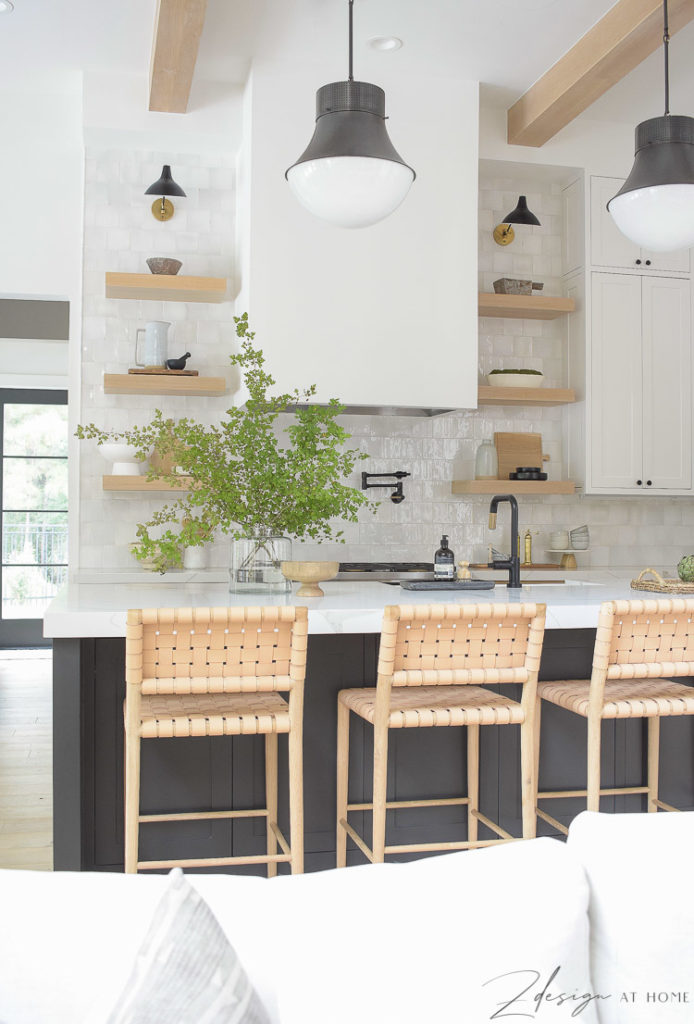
(245, 478)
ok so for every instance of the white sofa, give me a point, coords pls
(600, 929)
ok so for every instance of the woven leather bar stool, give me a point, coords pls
(217, 672)
(638, 645)
(432, 662)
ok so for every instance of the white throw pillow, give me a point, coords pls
(451, 938)
(186, 971)
(639, 868)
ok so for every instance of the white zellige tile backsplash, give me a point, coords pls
(120, 233)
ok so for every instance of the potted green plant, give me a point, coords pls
(248, 479)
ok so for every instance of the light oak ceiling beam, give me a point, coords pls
(177, 31)
(625, 36)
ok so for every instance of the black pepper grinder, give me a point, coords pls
(444, 561)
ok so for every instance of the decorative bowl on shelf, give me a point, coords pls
(310, 574)
(515, 378)
(164, 265)
(123, 457)
(580, 538)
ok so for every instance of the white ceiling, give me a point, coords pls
(504, 44)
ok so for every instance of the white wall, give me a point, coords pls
(41, 186)
(362, 313)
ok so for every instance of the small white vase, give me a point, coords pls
(195, 557)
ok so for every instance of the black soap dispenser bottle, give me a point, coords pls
(444, 561)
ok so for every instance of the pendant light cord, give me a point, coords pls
(666, 44)
(350, 77)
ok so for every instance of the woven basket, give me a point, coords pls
(660, 585)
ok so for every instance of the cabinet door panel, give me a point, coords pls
(616, 382)
(667, 371)
(609, 247)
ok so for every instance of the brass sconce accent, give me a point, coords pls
(163, 209)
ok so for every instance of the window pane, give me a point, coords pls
(35, 429)
(34, 484)
(29, 537)
(27, 590)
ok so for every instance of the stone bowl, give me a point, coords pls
(310, 574)
(164, 265)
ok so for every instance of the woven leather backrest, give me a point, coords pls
(246, 648)
(461, 643)
(656, 635)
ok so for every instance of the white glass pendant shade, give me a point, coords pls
(659, 218)
(350, 191)
(350, 174)
(655, 206)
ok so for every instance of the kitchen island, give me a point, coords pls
(87, 624)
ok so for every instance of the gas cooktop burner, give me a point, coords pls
(386, 567)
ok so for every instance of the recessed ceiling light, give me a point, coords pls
(6, 6)
(385, 43)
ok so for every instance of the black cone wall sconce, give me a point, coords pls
(163, 208)
(504, 233)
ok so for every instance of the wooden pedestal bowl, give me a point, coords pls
(310, 574)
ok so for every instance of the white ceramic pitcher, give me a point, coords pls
(156, 343)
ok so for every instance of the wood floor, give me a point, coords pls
(26, 743)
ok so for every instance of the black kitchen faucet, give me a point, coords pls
(512, 563)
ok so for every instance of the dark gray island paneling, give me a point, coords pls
(218, 773)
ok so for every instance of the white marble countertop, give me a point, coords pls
(88, 609)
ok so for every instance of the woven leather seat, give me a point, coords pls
(639, 647)
(437, 706)
(635, 698)
(246, 714)
(206, 672)
(432, 660)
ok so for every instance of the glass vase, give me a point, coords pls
(256, 565)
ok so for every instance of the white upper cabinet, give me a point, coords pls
(610, 248)
(667, 392)
(639, 407)
(616, 383)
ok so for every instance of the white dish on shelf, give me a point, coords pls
(515, 380)
(123, 457)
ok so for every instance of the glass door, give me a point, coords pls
(33, 510)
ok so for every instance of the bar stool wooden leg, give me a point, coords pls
(132, 801)
(528, 779)
(296, 785)
(593, 790)
(380, 783)
(473, 780)
(536, 743)
(271, 798)
(653, 759)
(342, 781)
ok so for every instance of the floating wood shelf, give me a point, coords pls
(525, 307)
(513, 487)
(141, 483)
(165, 287)
(491, 395)
(162, 384)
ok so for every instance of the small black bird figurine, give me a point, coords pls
(178, 364)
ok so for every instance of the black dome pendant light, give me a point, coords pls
(350, 174)
(655, 205)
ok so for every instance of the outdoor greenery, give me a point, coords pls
(248, 477)
(35, 483)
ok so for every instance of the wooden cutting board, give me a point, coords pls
(514, 450)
